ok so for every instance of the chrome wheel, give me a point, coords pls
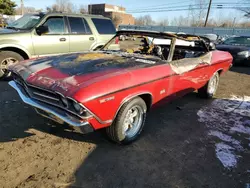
(133, 121)
(213, 84)
(5, 64)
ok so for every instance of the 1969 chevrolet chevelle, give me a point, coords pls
(115, 87)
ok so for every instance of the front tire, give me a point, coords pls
(209, 90)
(8, 58)
(129, 122)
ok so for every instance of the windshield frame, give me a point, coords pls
(159, 35)
(12, 25)
(201, 41)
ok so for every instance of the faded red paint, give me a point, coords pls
(121, 84)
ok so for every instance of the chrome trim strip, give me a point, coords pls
(96, 117)
(30, 85)
(45, 96)
(58, 106)
(33, 103)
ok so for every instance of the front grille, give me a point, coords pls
(38, 93)
(47, 96)
(43, 95)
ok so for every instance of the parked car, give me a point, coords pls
(239, 47)
(114, 89)
(212, 37)
(35, 35)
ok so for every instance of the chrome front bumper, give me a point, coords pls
(53, 114)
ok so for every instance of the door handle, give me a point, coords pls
(62, 39)
(91, 38)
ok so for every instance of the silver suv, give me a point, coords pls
(35, 35)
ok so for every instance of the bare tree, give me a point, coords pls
(163, 22)
(245, 11)
(197, 13)
(116, 20)
(144, 20)
(26, 10)
(61, 6)
(180, 21)
(83, 9)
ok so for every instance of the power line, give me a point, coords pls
(160, 5)
(183, 9)
(184, 6)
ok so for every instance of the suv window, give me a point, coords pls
(76, 25)
(88, 30)
(55, 25)
(104, 26)
(79, 26)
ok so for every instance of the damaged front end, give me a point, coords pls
(53, 105)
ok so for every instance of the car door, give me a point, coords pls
(56, 41)
(81, 37)
(190, 70)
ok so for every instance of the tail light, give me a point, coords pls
(116, 40)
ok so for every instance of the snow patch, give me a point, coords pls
(241, 129)
(226, 119)
(226, 138)
(226, 155)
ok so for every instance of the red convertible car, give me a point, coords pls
(115, 87)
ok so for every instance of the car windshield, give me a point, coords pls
(155, 46)
(238, 41)
(26, 22)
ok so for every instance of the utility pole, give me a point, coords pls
(208, 11)
(22, 7)
(234, 21)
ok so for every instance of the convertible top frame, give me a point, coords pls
(164, 35)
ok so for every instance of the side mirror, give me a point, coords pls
(42, 29)
(212, 46)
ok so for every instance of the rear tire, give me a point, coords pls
(8, 58)
(129, 122)
(209, 90)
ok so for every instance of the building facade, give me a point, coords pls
(116, 13)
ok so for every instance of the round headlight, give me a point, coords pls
(78, 108)
(64, 101)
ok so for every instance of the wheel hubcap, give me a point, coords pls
(213, 85)
(6, 63)
(133, 121)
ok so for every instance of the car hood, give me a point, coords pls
(233, 49)
(6, 31)
(67, 73)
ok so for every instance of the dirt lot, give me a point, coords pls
(190, 142)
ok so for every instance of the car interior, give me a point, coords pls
(161, 47)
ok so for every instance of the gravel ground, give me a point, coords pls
(175, 149)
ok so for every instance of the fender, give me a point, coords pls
(96, 45)
(16, 46)
(131, 96)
